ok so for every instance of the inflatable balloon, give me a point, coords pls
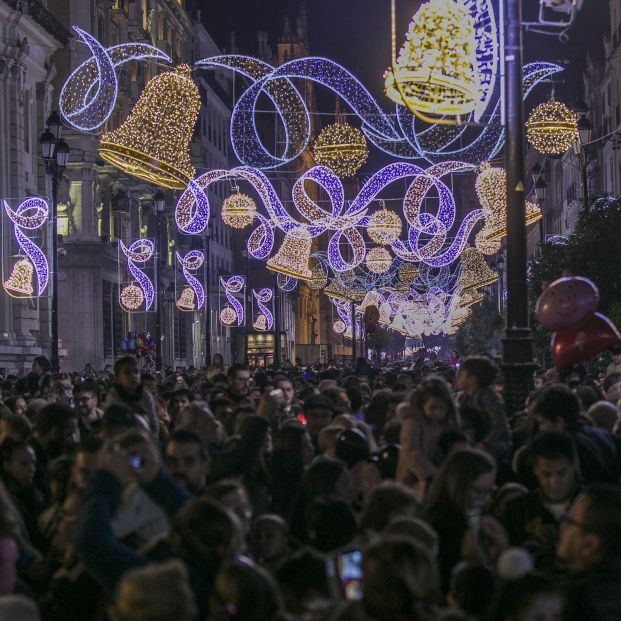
(566, 302)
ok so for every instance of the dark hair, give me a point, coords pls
(236, 367)
(482, 368)
(185, 436)
(123, 361)
(54, 415)
(552, 445)
(386, 500)
(557, 402)
(516, 595)
(18, 423)
(10, 446)
(330, 524)
(587, 396)
(434, 386)
(86, 387)
(478, 421)
(90, 444)
(355, 396)
(44, 363)
(603, 516)
(472, 588)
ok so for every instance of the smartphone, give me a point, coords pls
(135, 461)
(345, 575)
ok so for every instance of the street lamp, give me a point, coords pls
(585, 130)
(55, 154)
(245, 255)
(159, 202)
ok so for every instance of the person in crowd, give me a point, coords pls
(86, 399)
(615, 365)
(318, 411)
(187, 458)
(217, 367)
(179, 400)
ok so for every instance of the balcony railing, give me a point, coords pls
(42, 16)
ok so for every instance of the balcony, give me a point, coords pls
(41, 16)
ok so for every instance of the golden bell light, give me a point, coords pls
(153, 142)
(475, 272)
(19, 283)
(186, 300)
(293, 256)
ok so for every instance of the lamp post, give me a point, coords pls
(206, 240)
(585, 130)
(159, 202)
(540, 196)
(55, 153)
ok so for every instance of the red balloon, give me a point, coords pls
(592, 337)
(566, 302)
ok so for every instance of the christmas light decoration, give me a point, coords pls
(293, 256)
(319, 277)
(552, 128)
(153, 142)
(475, 273)
(436, 72)
(186, 300)
(384, 227)
(339, 327)
(233, 312)
(140, 251)
(238, 211)
(408, 273)
(228, 316)
(19, 283)
(30, 215)
(378, 260)
(190, 263)
(342, 148)
(88, 96)
(286, 283)
(484, 245)
(470, 298)
(131, 298)
(265, 320)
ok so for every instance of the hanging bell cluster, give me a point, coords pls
(19, 283)
(293, 256)
(153, 142)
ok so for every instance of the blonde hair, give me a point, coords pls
(155, 593)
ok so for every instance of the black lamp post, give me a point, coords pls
(585, 130)
(159, 202)
(244, 254)
(55, 153)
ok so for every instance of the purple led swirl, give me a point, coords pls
(231, 285)
(191, 262)
(262, 297)
(140, 251)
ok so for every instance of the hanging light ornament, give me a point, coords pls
(378, 260)
(186, 300)
(485, 246)
(131, 297)
(319, 278)
(342, 148)
(491, 188)
(470, 298)
(552, 128)
(339, 327)
(260, 323)
(475, 272)
(19, 283)
(384, 227)
(153, 142)
(293, 256)
(436, 71)
(408, 273)
(238, 211)
(228, 316)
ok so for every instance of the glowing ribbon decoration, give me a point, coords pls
(31, 215)
(286, 283)
(232, 285)
(89, 94)
(140, 251)
(343, 310)
(263, 297)
(191, 262)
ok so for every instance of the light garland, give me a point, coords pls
(153, 142)
(186, 300)
(319, 278)
(378, 260)
(293, 256)
(384, 227)
(342, 148)
(262, 297)
(140, 251)
(131, 298)
(475, 273)
(228, 316)
(408, 273)
(238, 211)
(233, 312)
(286, 283)
(436, 71)
(339, 327)
(191, 262)
(552, 128)
(19, 283)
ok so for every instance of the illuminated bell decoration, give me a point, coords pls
(293, 256)
(475, 272)
(260, 323)
(384, 227)
(186, 300)
(132, 297)
(485, 246)
(342, 148)
(436, 70)
(228, 316)
(19, 283)
(470, 298)
(153, 142)
(319, 278)
(378, 260)
(408, 273)
(238, 211)
(552, 128)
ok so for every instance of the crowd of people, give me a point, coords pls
(393, 492)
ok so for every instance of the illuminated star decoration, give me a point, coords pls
(140, 251)
(191, 262)
(88, 96)
(31, 215)
(233, 312)
(265, 319)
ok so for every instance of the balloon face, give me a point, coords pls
(566, 302)
(572, 346)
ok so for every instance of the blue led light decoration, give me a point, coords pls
(233, 312)
(265, 318)
(193, 295)
(30, 215)
(132, 296)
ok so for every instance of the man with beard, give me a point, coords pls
(186, 456)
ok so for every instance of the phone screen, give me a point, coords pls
(350, 574)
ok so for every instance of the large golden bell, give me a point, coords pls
(19, 283)
(153, 142)
(293, 256)
(475, 272)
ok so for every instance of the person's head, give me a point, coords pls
(187, 459)
(399, 580)
(117, 419)
(352, 447)
(85, 462)
(531, 598)
(415, 529)
(86, 399)
(232, 495)
(245, 592)
(41, 365)
(471, 588)
(269, 538)
(127, 373)
(198, 418)
(603, 414)
(154, 593)
(239, 379)
(615, 353)
(17, 405)
(68, 518)
(433, 400)
(318, 411)
(464, 483)
(180, 399)
(591, 530)
(554, 462)
(285, 384)
(476, 373)
(556, 408)
(330, 524)
(18, 608)
(15, 426)
(218, 361)
(293, 439)
(19, 462)
(386, 502)
(55, 428)
(539, 379)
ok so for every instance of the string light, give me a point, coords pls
(191, 262)
(228, 316)
(19, 284)
(378, 260)
(153, 142)
(186, 300)
(475, 273)
(319, 278)
(293, 256)
(408, 273)
(238, 211)
(384, 227)
(339, 327)
(552, 128)
(342, 148)
(132, 297)
(140, 251)
(260, 323)
(231, 286)
(265, 320)
(286, 283)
